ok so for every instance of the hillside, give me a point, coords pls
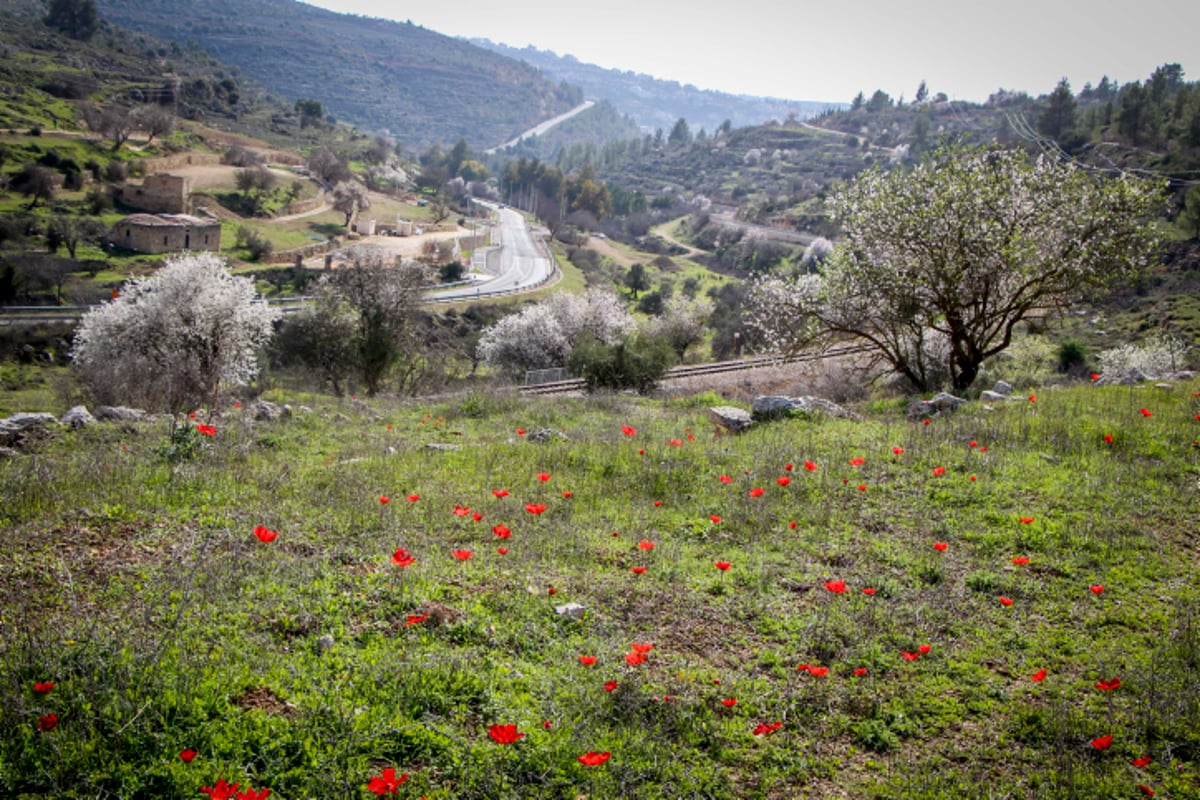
(655, 103)
(420, 86)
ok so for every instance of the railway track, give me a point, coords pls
(575, 385)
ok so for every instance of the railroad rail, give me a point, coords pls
(575, 385)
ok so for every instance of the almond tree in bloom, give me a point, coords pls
(940, 263)
(174, 339)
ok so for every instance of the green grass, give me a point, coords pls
(135, 584)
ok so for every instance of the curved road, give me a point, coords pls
(519, 262)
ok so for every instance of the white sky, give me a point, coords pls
(829, 50)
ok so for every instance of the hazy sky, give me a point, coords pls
(829, 50)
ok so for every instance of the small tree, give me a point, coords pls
(636, 279)
(957, 253)
(72, 231)
(683, 322)
(156, 121)
(350, 198)
(322, 335)
(76, 18)
(36, 183)
(172, 340)
(637, 362)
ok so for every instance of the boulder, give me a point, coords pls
(25, 420)
(773, 405)
(948, 402)
(119, 414)
(571, 610)
(78, 417)
(1182, 375)
(992, 397)
(8, 452)
(543, 435)
(920, 409)
(731, 418)
(1128, 377)
(1003, 388)
(269, 412)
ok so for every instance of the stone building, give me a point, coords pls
(166, 233)
(160, 193)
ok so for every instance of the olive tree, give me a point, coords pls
(172, 340)
(939, 264)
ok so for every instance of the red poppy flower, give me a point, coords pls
(186, 756)
(1109, 685)
(1033, 398)
(924, 649)
(412, 498)
(927, 421)
(857, 462)
(520, 431)
(48, 722)
(222, 791)
(787, 467)
(207, 430)
(757, 491)
(610, 686)
(1095, 376)
(461, 511)
(691, 437)
(941, 547)
(502, 551)
(645, 545)
(386, 782)
(543, 476)
(505, 734)
(546, 724)
(1020, 561)
(1103, 742)
(502, 531)
(403, 558)
(535, 508)
(250, 794)
(1146, 790)
(1141, 762)
(637, 570)
(1005, 601)
(384, 500)
(415, 619)
(658, 503)
(714, 519)
(1096, 588)
(862, 487)
(675, 442)
(264, 534)
(898, 451)
(642, 648)
(500, 492)
(587, 661)
(783, 481)
(868, 591)
(551, 590)
(723, 565)
(837, 587)
(44, 687)
(641, 452)
(594, 759)
(972, 478)
(633, 659)
(1145, 412)
(729, 702)
(792, 525)
(1026, 520)
(461, 555)
(627, 430)
(566, 495)
(1108, 438)
(810, 466)
(1038, 676)
(972, 443)
(766, 728)
(939, 470)
(724, 479)
(818, 672)
(909, 656)
(860, 671)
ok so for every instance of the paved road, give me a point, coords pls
(539, 129)
(518, 261)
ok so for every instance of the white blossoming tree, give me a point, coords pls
(174, 339)
(939, 264)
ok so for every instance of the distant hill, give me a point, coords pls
(655, 103)
(419, 85)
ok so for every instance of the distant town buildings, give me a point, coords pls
(166, 233)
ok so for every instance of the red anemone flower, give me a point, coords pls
(593, 759)
(1102, 742)
(642, 648)
(1033, 398)
(265, 534)
(610, 686)
(658, 503)
(723, 565)
(250, 794)
(837, 587)
(502, 531)
(627, 430)
(766, 728)
(1096, 588)
(909, 656)
(412, 498)
(1038, 676)
(810, 466)
(186, 756)
(1108, 685)
(1020, 561)
(384, 500)
(633, 659)
(1145, 412)
(477, 516)
(868, 591)
(461, 555)
(898, 451)
(939, 470)
(675, 442)
(207, 430)
(783, 481)
(386, 782)
(48, 722)
(792, 525)
(860, 671)
(724, 479)
(502, 551)
(1146, 790)
(44, 687)
(505, 734)
(1026, 520)
(924, 649)
(566, 495)
(757, 491)
(587, 661)
(940, 546)
(637, 570)
(818, 672)
(714, 519)
(520, 431)
(1108, 438)
(1095, 376)
(415, 619)
(543, 476)
(500, 492)
(1006, 601)
(222, 791)
(535, 508)
(461, 511)
(645, 545)
(403, 558)
(857, 462)
(1141, 762)
(729, 702)
(787, 467)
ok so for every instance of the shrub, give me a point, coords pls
(637, 362)
(1159, 355)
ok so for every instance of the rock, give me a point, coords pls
(731, 418)
(325, 643)
(389, 451)
(8, 452)
(543, 435)
(268, 411)
(769, 406)
(448, 448)
(992, 397)
(1164, 386)
(24, 421)
(948, 402)
(1182, 375)
(1003, 388)
(572, 610)
(920, 409)
(78, 417)
(1129, 377)
(119, 414)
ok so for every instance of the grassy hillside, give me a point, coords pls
(995, 604)
(421, 86)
